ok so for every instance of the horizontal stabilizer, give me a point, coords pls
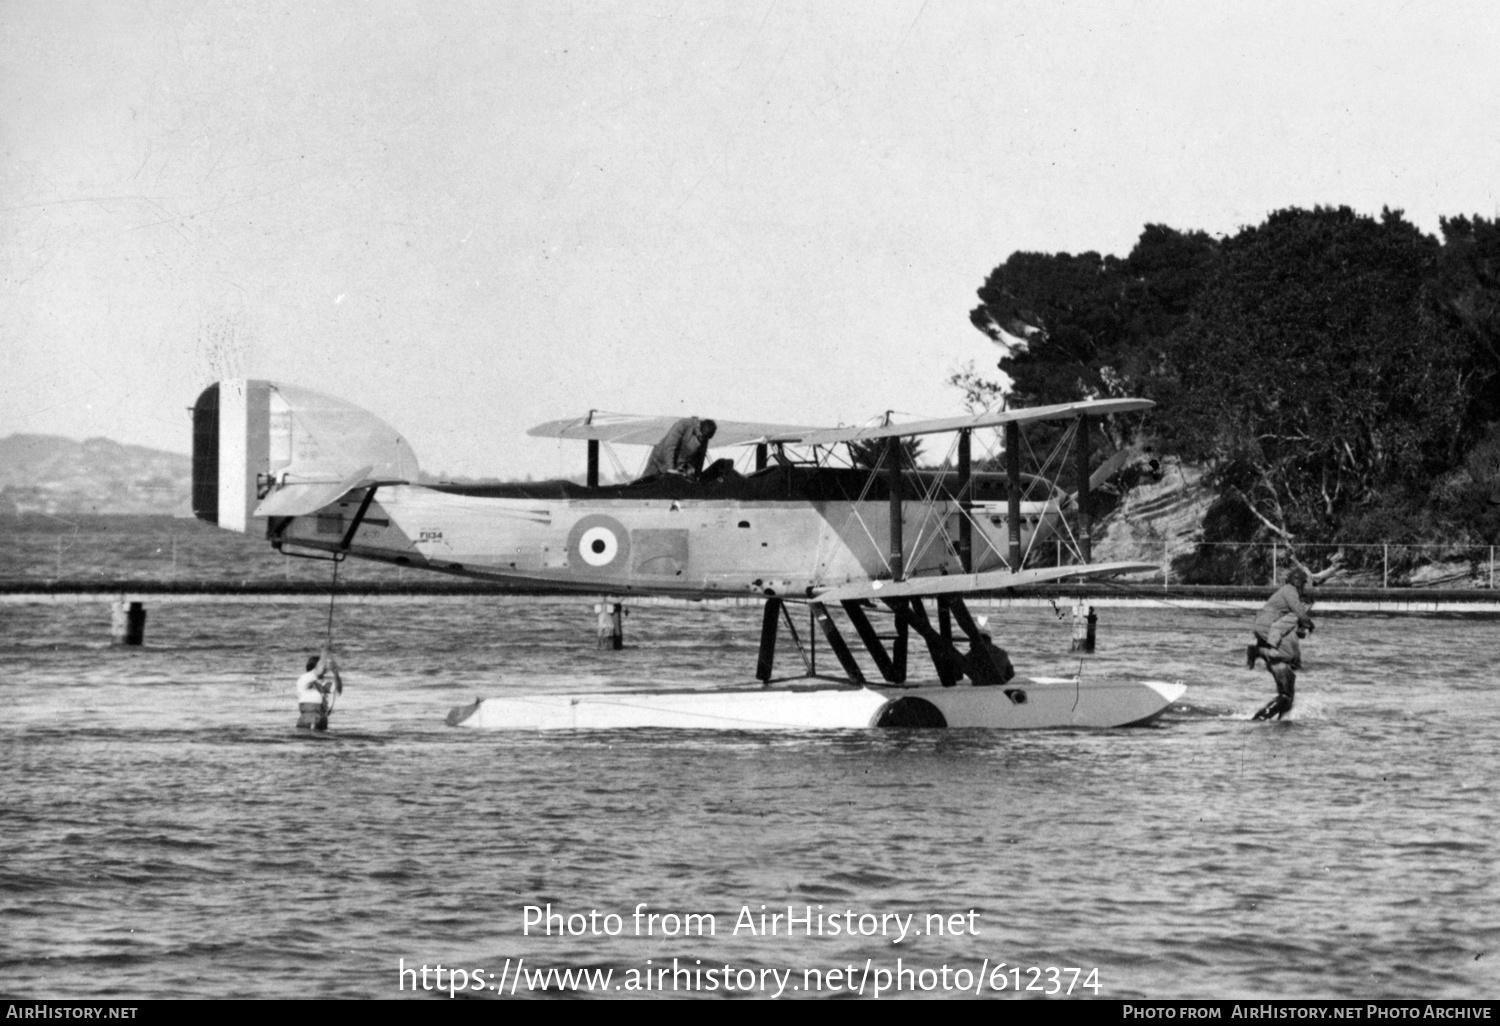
(970, 584)
(304, 493)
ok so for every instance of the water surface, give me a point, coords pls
(165, 832)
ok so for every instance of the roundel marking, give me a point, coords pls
(598, 545)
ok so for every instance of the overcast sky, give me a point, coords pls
(471, 218)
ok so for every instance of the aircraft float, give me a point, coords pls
(318, 476)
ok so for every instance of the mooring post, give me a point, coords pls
(127, 622)
(1083, 628)
(611, 624)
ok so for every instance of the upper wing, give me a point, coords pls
(622, 429)
(967, 584)
(993, 418)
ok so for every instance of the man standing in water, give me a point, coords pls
(315, 693)
(1281, 623)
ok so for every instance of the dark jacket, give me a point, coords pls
(1282, 614)
(681, 450)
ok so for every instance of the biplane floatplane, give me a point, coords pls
(861, 543)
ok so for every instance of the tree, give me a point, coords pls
(870, 455)
(1314, 375)
(1087, 326)
(1331, 370)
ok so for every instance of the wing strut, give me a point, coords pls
(965, 526)
(1085, 541)
(893, 477)
(1013, 505)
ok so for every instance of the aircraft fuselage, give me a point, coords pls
(700, 541)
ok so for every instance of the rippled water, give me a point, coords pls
(165, 832)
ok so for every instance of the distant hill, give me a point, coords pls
(58, 476)
(55, 475)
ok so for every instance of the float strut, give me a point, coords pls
(768, 627)
(862, 626)
(944, 656)
(963, 618)
(836, 642)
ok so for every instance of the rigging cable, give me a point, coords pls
(332, 591)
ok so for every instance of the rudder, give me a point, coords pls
(264, 449)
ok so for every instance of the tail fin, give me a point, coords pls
(261, 449)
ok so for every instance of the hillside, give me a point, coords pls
(58, 476)
(1160, 516)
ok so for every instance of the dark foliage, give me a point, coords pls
(1333, 370)
(871, 455)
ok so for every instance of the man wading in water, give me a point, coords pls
(1281, 623)
(316, 694)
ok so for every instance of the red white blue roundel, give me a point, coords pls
(598, 545)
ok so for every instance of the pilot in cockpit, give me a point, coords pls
(682, 450)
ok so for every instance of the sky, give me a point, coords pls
(470, 218)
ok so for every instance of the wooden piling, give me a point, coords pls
(1084, 627)
(127, 623)
(610, 624)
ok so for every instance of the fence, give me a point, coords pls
(1361, 565)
